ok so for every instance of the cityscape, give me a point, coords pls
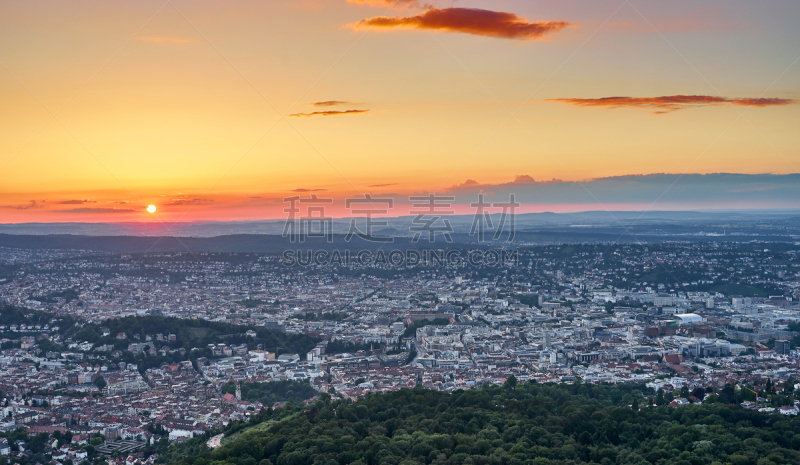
(399, 232)
(152, 349)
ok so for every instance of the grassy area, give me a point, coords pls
(263, 426)
(199, 333)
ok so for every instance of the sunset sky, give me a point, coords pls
(214, 110)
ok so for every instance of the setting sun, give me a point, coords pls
(151, 209)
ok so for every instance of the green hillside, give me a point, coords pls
(523, 424)
(191, 333)
(275, 391)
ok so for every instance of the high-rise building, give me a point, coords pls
(783, 347)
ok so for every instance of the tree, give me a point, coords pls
(727, 395)
(571, 424)
(100, 382)
(660, 397)
(511, 382)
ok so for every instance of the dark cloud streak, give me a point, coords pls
(75, 202)
(329, 103)
(329, 113)
(475, 21)
(670, 103)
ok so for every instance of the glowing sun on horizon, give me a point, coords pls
(151, 209)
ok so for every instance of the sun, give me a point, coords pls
(151, 209)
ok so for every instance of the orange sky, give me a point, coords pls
(206, 109)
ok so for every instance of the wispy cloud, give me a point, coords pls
(383, 185)
(307, 190)
(29, 206)
(190, 202)
(329, 113)
(671, 103)
(163, 39)
(473, 21)
(329, 103)
(98, 210)
(75, 202)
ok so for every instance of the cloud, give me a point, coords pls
(662, 190)
(162, 39)
(383, 185)
(189, 202)
(329, 113)
(75, 202)
(474, 21)
(467, 183)
(307, 190)
(671, 103)
(329, 103)
(523, 179)
(29, 206)
(98, 210)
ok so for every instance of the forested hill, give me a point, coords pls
(189, 334)
(13, 315)
(514, 424)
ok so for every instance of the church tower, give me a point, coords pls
(238, 391)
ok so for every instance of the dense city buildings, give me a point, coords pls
(156, 348)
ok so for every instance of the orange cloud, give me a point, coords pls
(671, 103)
(160, 39)
(523, 178)
(328, 113)
(474, 21)
(75, 202)
(329, 103)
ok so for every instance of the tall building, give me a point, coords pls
(783, 347)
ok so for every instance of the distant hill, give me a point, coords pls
(13, 315)
(398, 226)
(189, 334)
(530, 228)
